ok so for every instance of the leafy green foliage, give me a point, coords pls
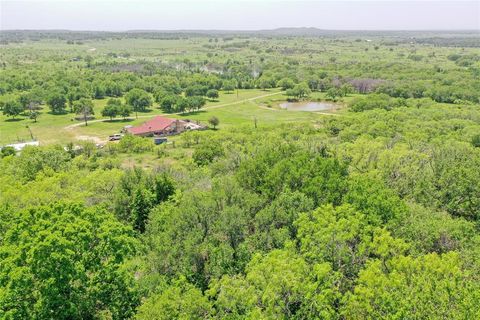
(431, 286)
(212, 94)
(138, 99)
(276, 286)
(299, 91)
(33, 161)
(375, 101)
(181, 301)
(12, 108)
(84, 107)
(64, 261)
(56, 102)
(7, 151)
(113, 108)
(206, 153)
(214, 121)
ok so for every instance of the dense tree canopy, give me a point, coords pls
(64, 261)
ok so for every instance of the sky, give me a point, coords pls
(122, 15)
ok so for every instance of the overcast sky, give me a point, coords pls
(238, 14)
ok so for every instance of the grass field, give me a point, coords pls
(231, 108)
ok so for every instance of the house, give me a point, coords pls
(158, 126)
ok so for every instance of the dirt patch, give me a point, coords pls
(90, 138)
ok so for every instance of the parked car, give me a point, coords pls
(116, 136)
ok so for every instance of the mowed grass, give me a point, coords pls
(231, 109)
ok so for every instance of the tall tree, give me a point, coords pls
(214, 122)
(139, 100)
(84, 107)
(112, 108)
(12, 108)
(212, 94)
(56, 102)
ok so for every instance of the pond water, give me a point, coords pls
(307, 106)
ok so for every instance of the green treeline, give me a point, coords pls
(57, 78)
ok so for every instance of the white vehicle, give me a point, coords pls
(116, 136)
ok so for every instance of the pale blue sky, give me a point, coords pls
(238, 14)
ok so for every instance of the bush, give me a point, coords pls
(133, 144)
(7, 151)
(207, 153)
(376, 101)
(476, 141)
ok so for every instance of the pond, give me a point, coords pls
(307, 106)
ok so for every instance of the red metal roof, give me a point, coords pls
(156, 124)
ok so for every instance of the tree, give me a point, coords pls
(195, 103)
(286, 83)
(141, 205)
(112, 108)
(229, 85)
(31, 101)
(338, 235)
(159, 94)
(299, 91)
(139, 100)
(71, 97)
(84, 107)
(195, 90)
(164, 188)
(430, 286)
(64, 261)
(264, 83)
(181, 300)
(212, 94)
(346, 89)
(110, 111)
(182, 105)
(124, 111)
(34, 114)
(167, 103)
(333, 93)
(12, 108)
(98, 91)
(24, 100)
(370, 196)
(278, 285)
(214, 122)
(206, 153)
(274, 224)
(56, 102)
(113, 89)
(33, 161)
